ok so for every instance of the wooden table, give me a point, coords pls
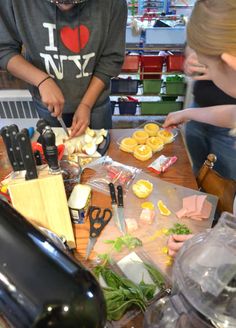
(180, 173)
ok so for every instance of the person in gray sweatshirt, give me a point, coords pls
(72, 48)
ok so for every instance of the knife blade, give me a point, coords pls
(13, 130)
(60, 119)
(7, 141)
(114, 204)
(24, 143)
(120, 210)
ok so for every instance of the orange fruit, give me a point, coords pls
(166, 136)
(142, 152)
(141, 136)
(128, 144)
(155, 143)
(163, 209)
(142, 188)
(151, 129)
(148, 205)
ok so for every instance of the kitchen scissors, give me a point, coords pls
(98, 220)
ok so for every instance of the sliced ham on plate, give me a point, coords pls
(196, 207)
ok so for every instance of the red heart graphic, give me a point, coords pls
(75, 39)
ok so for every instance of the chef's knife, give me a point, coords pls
(24, 143)
(13, 130)
(120, 210)
(114, 204)
(7, 141)
(60, 119)
(50, 150)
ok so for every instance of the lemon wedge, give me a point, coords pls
(163, 209)
(148, 206)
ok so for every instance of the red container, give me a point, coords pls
(151, 64)
(131, 64)
(175, 63)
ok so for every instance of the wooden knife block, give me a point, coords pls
(43, 202)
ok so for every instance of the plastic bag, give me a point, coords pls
(108, 171)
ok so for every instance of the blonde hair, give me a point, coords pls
(212, 27)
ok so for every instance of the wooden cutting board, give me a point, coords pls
(43, 202)
(152, 236)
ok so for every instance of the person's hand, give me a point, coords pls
(81, 120)
(52, 97)
(175, 242)
(194, 69)
(174, 119)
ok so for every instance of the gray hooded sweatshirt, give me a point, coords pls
(71, 46)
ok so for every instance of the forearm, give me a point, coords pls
(222, 116)
(25, 71)
(94, 90)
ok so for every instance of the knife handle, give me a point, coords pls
(102, 148)
(13, 130)
(112, 193)
(41, 125)
(120, 196)
(27, 155)
(38, 157)
(50, 150)
(7, 141)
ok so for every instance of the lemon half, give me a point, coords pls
(142, 188)
(151, 129)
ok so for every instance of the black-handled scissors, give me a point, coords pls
(98, 220)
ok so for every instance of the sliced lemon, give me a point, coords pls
(142, 188)
(163, 209)
(151, 129)
(156, 143)
(141, 136)
(128, 144)
(142, 152)
(148, 205)
(166, 136)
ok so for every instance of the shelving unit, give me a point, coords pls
(150, 93)
(152, 41)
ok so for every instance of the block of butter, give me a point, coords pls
(79, 203)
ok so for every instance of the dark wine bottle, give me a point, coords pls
(40, 285)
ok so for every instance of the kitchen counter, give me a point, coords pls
(180, 173)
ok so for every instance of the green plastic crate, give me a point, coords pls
(175, 88)
(160, 107)
(152, 86)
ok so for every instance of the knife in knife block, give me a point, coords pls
(43, 201)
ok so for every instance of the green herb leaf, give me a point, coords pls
(178, 229)
(156, 276)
